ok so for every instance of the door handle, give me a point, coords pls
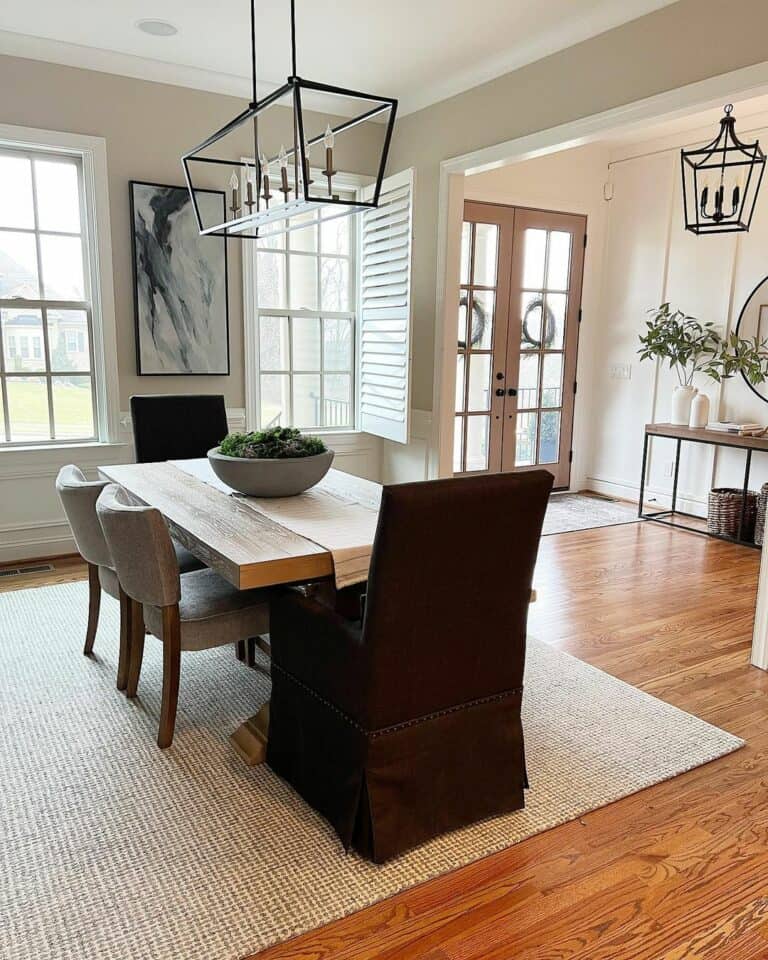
(512, 391)
(500, 391)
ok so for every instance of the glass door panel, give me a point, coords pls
(545, 286)
(482, 334)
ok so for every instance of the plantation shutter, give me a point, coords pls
(384, 340)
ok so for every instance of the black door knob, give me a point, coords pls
(499, 376)
(512, 391)
(500, 392)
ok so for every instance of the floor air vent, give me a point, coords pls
(20, 571)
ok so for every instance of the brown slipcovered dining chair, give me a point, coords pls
(198, 611)
(407, 725)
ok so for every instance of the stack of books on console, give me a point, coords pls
(742, 429)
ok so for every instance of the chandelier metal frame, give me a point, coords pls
(264, 219)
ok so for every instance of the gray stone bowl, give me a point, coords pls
(270, 478)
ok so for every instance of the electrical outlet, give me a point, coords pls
(621, 371)
(669, 468)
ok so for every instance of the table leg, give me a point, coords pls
(677, 473)
(744, 494)
(642, 475)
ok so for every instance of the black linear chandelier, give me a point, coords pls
(721, 181)
(268, 184)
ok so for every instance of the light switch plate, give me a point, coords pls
(621, 371)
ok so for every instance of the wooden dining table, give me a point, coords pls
(232, 537)
(241, 544)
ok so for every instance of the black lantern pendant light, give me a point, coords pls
(267, 173)
(721, 181)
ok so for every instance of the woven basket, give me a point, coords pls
(762, 501)
(724, 512)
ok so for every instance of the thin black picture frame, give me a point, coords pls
(132, 184)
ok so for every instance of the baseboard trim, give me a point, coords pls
(625, 490)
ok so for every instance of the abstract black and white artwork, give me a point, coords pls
(180, 282)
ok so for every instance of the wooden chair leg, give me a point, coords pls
(137, 648)
(250, 652)
(171, 670)
(126, 610)
(94, 605)
(240, 651)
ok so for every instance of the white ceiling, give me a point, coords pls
(420, 51)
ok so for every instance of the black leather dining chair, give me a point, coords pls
(177, 426)
(407, 724)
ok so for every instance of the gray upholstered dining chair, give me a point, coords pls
(198, 611)
(78, 498)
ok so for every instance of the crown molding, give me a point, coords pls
(155, 71)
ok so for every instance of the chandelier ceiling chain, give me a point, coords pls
(251, 184)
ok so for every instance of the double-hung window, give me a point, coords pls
(305, 319)
(328, 319)
(47, 379)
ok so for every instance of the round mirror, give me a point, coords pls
(753, 322)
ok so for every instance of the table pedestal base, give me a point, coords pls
(250, 738)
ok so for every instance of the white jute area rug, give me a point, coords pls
(111, 849)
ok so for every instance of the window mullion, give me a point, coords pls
(48, 368)
(3, 387)
(43, 309)
(318, 274)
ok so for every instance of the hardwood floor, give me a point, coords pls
(676, 872)
(64, 569)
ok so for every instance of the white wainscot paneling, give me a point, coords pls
(32, 523)
(633, 270)
(402, 463)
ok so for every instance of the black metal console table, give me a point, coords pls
(715, 438)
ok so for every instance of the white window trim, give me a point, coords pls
(92, 152)
(346, 181)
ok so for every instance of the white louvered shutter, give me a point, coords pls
(384, 340)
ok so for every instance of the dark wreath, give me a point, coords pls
(479, 321)
(549, 324)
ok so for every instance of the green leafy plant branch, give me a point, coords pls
(690, 347)
(277, 443)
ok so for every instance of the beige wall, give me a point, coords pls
(147, 126)
(680, 44)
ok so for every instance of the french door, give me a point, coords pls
(518, 330)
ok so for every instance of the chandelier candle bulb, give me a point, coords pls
(329, 140)
(283, 161)
(249, 180)
(307, 176)
(235, 184)
(265, 179)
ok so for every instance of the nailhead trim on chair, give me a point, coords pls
(383, 731)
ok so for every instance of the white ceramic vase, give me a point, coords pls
(699, 412)
(682, 398)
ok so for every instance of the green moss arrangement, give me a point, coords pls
(277, 443)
